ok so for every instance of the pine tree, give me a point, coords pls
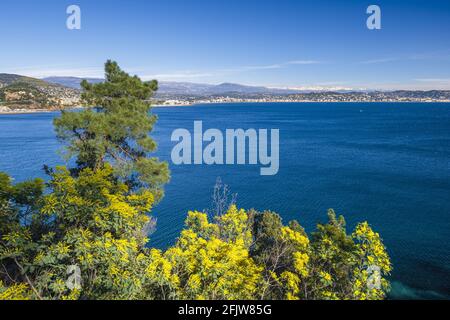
(115, 129)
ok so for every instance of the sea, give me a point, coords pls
(385, 163)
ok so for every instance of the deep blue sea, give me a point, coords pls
(387, 163)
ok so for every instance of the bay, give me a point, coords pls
(387, 163)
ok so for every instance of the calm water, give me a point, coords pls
(385, 163)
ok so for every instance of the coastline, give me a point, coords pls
(22, 111)
(32, 111)
(286, 102)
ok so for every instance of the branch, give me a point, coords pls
(28, 279)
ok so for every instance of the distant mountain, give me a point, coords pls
(233, 87)
(71, 82)
(186, 88)
(19, 93)
(7, 79)
(192, 91)
(182, 88)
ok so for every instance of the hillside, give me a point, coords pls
(20, 93)
(8, 79)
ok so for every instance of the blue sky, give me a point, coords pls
(279, 43)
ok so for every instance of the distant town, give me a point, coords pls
(376, 96)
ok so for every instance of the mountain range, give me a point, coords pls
(7, 79)
(183, 88)
(25, 93)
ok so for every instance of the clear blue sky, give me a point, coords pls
(274, 43)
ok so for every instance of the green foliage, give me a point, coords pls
(93, 222)
(90, 221)
(331, 265)
(115, 130)
(27, 93)
(209, 261)
(14, 292)
(95, 218)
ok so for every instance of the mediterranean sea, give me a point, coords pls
(385, 163)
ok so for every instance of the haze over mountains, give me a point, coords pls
(7, 79)
(174, 93)
(20, 94)
(176, 88)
